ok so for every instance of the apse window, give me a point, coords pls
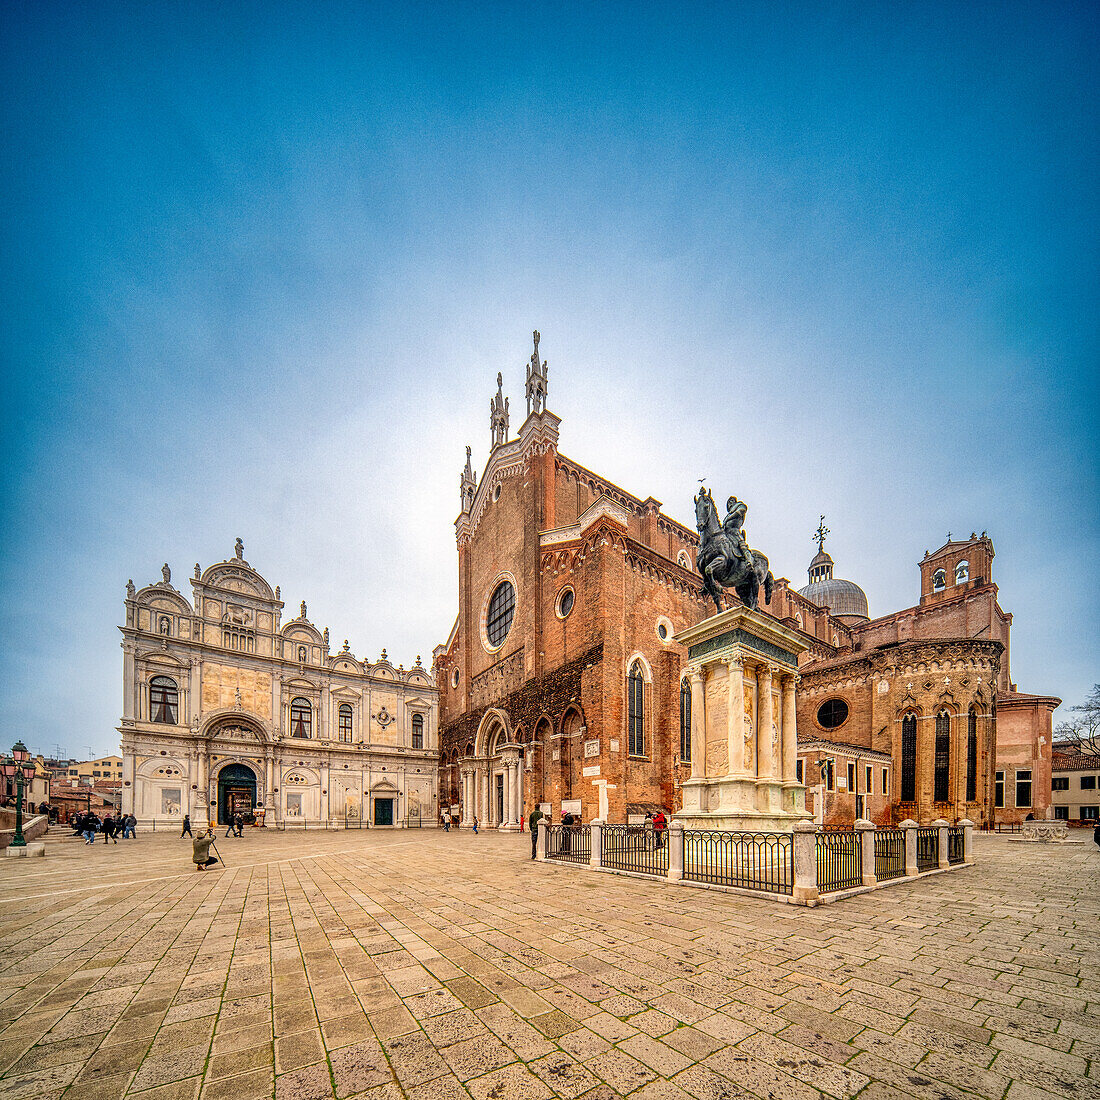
(565, 602)
(832, 713)
(502, 607)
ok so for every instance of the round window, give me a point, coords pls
(502, 607)
(565, 602)
(832, 713)
(496, 493)
(662, 631)
(454, 678)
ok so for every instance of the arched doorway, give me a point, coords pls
(236, 791)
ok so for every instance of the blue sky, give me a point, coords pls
(261, 264)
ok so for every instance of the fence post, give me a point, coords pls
(941, 835)
(595, 832)
(909, 827)
(675, 851)
(805, 863)
(968, 840)
(865, 830)
(544, 832)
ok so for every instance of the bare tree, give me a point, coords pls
(1081, 733)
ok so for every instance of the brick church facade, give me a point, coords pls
(560, 684)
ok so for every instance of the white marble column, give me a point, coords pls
(698, 727)
(790, 730)
(736, 717)
(269, 794)
(202, 813)
(128, 681)
(765, 763)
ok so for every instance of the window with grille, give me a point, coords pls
(972, 755)
(345, 722)
(163, 700)
(502, 606)
(999, 791)
(301, 718)
(636, 711)
(798, 770)
(943, 756)
(909, 758)
(418, 731)
(832, 713)
(1023, 787)
(685, 721)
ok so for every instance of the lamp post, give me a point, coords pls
(19, 766)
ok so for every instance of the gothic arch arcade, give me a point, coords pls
(491, 780)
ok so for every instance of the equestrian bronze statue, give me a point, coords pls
(724, 559)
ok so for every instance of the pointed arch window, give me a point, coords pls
(943, 756)
(909, 758)
(301, 718)
(635, 690)
(418, 731)
(344, 722)
(685, 721)
(164, 700)
(972, 755)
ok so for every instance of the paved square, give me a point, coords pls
(443, 965)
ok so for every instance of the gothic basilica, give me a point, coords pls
(561, 684)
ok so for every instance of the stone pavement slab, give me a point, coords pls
(444, 966)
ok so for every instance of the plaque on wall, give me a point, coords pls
(591, 748)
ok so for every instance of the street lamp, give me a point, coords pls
(20, 767)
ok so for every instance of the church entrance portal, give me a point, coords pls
(236, 791)
(383, 811)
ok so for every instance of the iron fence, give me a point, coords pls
(889, 854)
(634, 848)
(569, 843)
(955, 844)
(754, 861)
(839, 860)
(928, 848)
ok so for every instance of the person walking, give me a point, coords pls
(131, 826)
(186, 831)
(533, 824)
(229, 831)
(90, 827)
(238, 824)
(476, 824)
(446, 822)
(110, 830)
(200, 847)
(659, 825)
(1096, 836)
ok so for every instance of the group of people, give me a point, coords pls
(447, 820)
(234, 827)
(112, 827)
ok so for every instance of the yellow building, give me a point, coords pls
(227, 708)
(104, 770)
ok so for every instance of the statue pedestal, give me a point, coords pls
(742, 667)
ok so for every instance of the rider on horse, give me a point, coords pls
(731, 527)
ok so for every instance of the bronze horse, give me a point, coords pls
(721, 566)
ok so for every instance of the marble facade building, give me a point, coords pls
(226, 707)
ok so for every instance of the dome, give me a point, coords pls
(841, 597)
